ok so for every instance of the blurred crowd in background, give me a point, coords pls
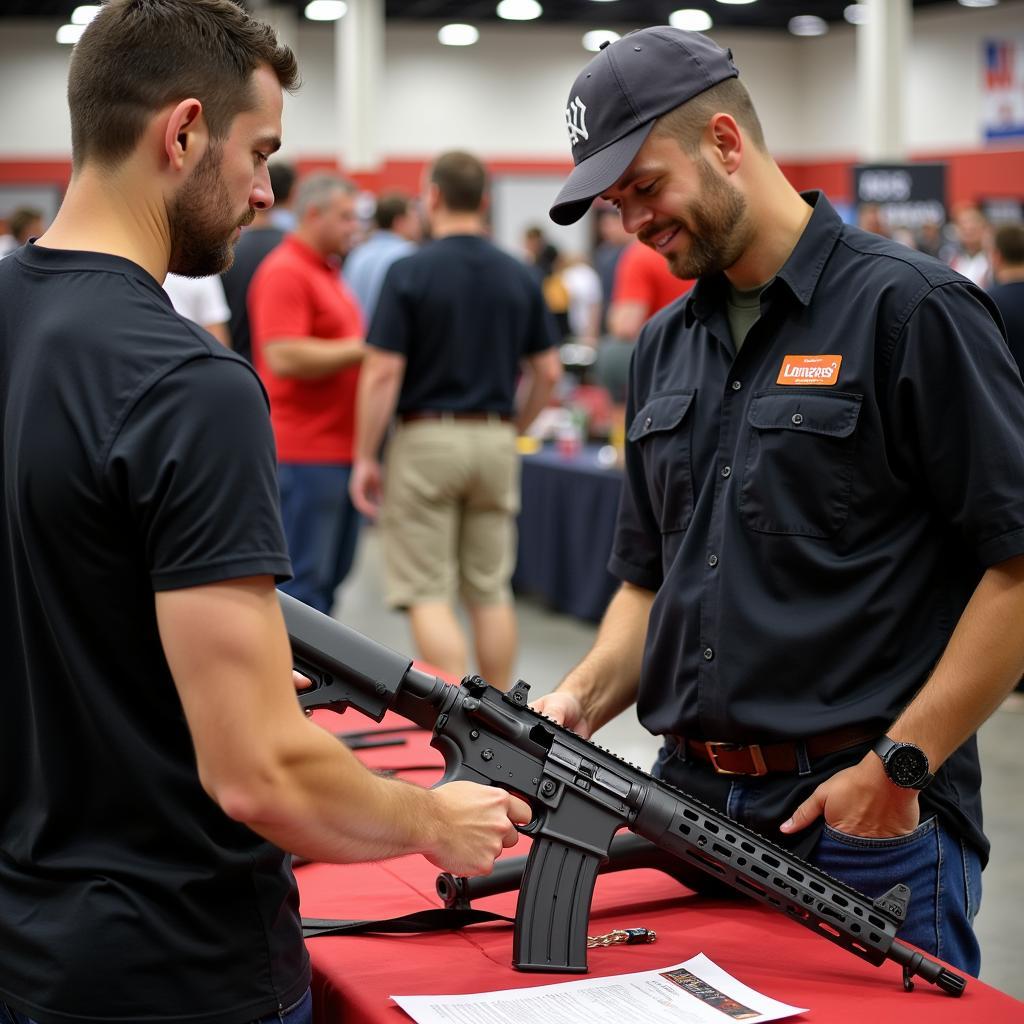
(597, 302)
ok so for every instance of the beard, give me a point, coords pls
(202, 241)
(716, 225)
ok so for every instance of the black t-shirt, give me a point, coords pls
(131, 441)
(252, 248)
(464, 314)
(1010, 300)
(815, 510)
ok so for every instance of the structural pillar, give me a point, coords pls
(358, 76)
(883, 41)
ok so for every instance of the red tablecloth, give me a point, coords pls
(355, 975)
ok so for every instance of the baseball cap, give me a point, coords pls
(617, 97)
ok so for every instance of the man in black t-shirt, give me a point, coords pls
(1008, 294)
(261, 238)
(454, 325)
(154, 759)
(1008, 291)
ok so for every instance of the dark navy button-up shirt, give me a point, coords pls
(815, 511)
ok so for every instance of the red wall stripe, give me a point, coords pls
(972, 175)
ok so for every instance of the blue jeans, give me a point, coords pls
(321, 526)
(942, 871)
(299, 1013)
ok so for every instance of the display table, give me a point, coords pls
(566, 525)
(353, 976)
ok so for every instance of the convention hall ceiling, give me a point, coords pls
(760, 14)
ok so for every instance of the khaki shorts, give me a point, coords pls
(448, 519)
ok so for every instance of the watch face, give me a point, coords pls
(907, 766)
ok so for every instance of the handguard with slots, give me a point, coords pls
(581, 796)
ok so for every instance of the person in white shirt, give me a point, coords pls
(201, 300)
(584, 287)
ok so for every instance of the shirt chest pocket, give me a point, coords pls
(798, 473)
(661, 431)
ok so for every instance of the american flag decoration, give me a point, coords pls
(1003, 89)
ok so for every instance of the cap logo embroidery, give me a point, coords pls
(820, 371)
(576, 120)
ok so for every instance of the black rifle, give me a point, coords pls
(626, 852)
(581, 796)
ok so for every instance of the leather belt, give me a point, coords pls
(762, 758)
(431, 414)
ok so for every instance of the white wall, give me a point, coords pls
(33, 76)
(504, 97)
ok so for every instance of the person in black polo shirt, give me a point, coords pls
(154, 760)
(454, 325)
(1008, 291)
(822, 526)
(260, 239)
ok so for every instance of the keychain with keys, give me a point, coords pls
(622, 937)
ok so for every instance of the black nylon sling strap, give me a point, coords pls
(436, 920)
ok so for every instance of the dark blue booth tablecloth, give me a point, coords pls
(569, 504)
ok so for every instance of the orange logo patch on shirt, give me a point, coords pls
(822, 371)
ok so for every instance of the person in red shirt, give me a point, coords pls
(307, 339)
(643, 285)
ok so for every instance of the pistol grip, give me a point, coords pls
(554, 908)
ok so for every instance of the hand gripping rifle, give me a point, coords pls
(582, 795)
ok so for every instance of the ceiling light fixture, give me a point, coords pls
(83, 15)
(592, 40)
(691, 19)
(458, 35)
(856, 14)
(70, 34)
(978, 3)
(519, 10)
(326, 10)
(808, 25)
(736, 2)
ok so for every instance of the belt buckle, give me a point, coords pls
(757, 758)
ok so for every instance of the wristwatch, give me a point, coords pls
(904, 763)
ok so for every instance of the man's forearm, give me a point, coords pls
(981, 664)
(606, 681)
(625, 318)
(305, 809)
(544, 372)
(379, 385)
(312, 358)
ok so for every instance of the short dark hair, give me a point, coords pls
(137, 56)
(1009, 243)
(390, 206)
(686, 123)
(282, 180)
(462, 181)
(22, 218)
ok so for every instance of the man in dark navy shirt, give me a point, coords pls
(454, 326)
(1008, 291)
(821, 534)
(155, 763)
